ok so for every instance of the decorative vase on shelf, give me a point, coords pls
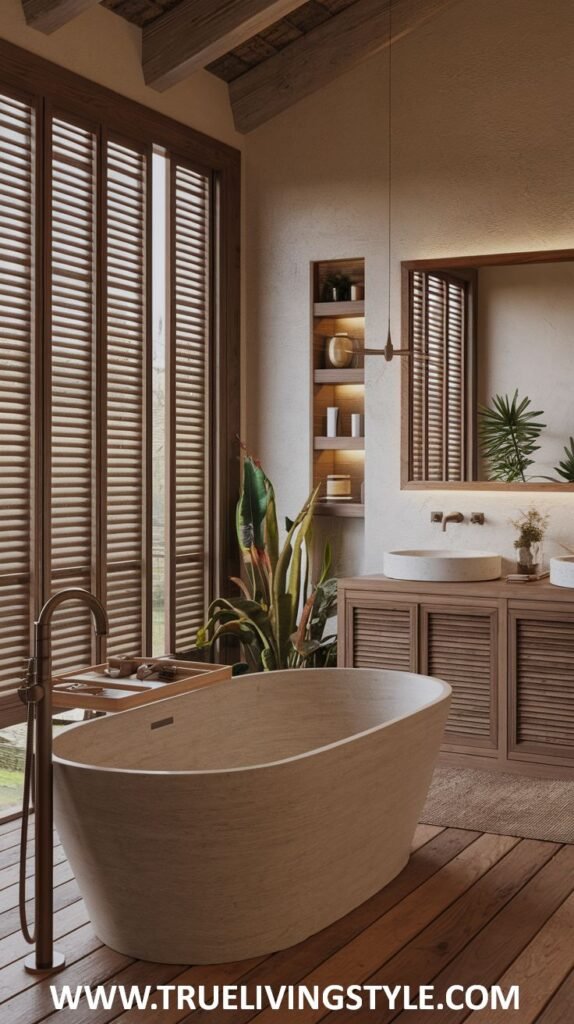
(529, 560)
(339, 351)
(356, 424)
(332, 420)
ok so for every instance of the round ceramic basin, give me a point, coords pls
(442, 566)
(562, 571)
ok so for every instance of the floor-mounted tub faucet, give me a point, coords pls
(36, 693)
(452, 517)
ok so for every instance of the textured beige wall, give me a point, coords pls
(483, 161)
(526, 341)
(106, 49)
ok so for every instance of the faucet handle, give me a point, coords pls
(477, 518)
(436, 517)
(29, 691)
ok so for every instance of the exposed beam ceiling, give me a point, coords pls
(273, 53)
(197, 32)
(49, 15)
(322, 55)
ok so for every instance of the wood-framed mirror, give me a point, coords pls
(487, 389)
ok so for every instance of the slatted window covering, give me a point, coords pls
(126, 392)
(72, 241)
(439, 340)
(17, 132)
(76, 423)
(188, 403)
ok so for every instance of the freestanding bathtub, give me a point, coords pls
(241, 818)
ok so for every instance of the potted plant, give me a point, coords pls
(336, 288)
(531, 526)
(279, 614)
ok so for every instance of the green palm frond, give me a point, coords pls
(509, 430)
(565, 468)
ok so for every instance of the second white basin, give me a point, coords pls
(436, 566)
(562, 571)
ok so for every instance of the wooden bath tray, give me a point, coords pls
(93, 690)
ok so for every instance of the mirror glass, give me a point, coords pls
(489, 382)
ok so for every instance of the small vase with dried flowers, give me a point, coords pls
(531, 526)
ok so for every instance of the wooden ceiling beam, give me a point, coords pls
(49, 15)
(197, 32)
(331, 49)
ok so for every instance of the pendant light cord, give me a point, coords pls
(389, 156)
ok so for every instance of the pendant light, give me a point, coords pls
(389, 350)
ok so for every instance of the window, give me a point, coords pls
(117, 418)
(439, 332)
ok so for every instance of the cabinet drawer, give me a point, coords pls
(461, 647)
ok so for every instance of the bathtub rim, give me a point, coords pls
(445, 692)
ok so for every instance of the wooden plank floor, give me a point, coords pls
(468, 909)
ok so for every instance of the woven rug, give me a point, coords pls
(508, 805)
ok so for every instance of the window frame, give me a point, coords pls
(57, 90)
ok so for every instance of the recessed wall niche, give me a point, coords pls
(338, 382)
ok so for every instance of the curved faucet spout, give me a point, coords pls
(99, 614)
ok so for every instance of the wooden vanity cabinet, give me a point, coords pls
(509, 660)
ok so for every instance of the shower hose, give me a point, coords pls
(28, 934)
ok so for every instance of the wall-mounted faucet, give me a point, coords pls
(452, 517)
(476, 518)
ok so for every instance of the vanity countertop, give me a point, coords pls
(534, 590)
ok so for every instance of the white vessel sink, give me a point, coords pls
(562, 571)
(442, 566)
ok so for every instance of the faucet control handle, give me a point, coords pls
(436, 517)
(29, 692)
(477, 518)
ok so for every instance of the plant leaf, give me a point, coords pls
(565, 468)
(509, 430)
(252, 507)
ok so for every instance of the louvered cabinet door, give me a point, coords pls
(381, 634)
(460, 645)
(541, 684)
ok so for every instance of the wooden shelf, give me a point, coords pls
(339, 444)
(339, 376)
(346, 509)
(333, 309)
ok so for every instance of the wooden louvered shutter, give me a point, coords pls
(126, 353)
(461, 647)
(439, 339)
(98, 387)
(188, 406)
(385, 636)
(17, 129)
(72, 247)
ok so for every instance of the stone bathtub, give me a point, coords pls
(241, 818)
